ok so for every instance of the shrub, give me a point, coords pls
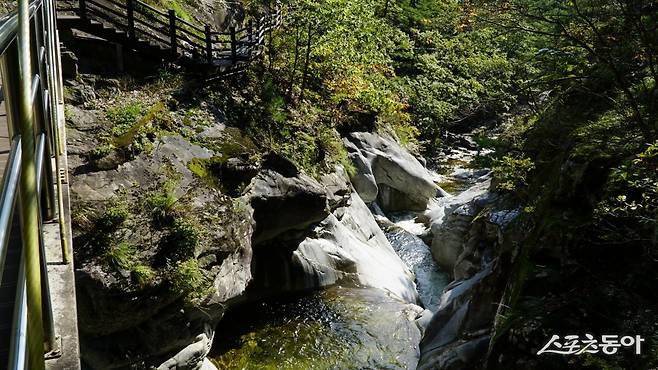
(182, 240)
(123, 115)
(113, 217)
(511, 172)
(143, 275)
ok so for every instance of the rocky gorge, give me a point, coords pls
(403, 184)
(355, 259)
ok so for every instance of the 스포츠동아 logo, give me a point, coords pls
(575, 345)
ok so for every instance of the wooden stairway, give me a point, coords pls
(102, 30)
(163, 35)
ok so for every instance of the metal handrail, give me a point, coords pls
(32, 90)
(9, 28)
(18, 351)
(8, 198)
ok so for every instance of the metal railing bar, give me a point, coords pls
(29, 214)
(36, 80)
(8, 31)
(18, 343)
(42, 54)
(48, 322)
(8, 197)
(39, 151)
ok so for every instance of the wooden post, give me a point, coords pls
(250, 32)
(172, 33)
(83, 9)
(131, 20)
(208, 44)
(234, 46)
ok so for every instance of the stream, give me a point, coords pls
(343, 327)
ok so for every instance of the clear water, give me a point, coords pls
(338, 328)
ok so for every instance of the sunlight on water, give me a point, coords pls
(339, 328)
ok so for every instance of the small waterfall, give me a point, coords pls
(405, 239)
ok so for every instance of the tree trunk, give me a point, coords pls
(306, 60)
(294, 65)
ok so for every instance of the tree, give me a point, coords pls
(585, 38)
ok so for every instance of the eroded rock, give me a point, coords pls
(389, 174)
(349, 246)
(449, 219)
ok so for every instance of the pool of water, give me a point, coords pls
(337, 328)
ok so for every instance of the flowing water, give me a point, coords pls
(341, 327)
(413, 251)
(336, 328)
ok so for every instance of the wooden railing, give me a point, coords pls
(143, 22)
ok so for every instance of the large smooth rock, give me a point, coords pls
(192, 357)
(285, 200)
(449, 219)
(349, 246)
(458, 334)
(152, 324)
(283, 203)
(389, 174)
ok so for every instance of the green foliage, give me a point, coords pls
(606, 48)
(187, 279)
(201, 168)
(215, 173)
(113, 217)
(411, 69)
(466, 76)
(133, 129)
(512, 172)
(182, 240)
(143, 275)
(630, 208)
(121, 256)
(137, 136)
(101, 151)
(68, 115)
(162, 202)
(123, 116)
